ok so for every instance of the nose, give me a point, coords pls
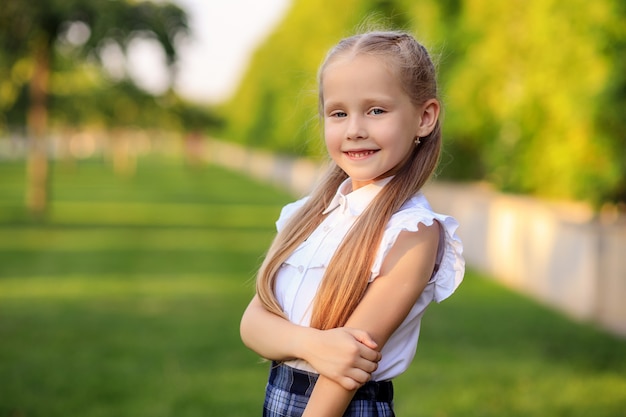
(356, 128)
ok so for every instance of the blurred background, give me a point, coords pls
(144, 153)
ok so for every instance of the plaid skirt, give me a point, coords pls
(288, 391)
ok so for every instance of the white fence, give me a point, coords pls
(561, 254)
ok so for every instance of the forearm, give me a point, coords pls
(271, 336)
(328, 399)
(347, 356)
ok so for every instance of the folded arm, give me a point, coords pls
(404, 275)
(345, 355)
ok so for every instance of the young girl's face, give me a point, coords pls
(370, 123)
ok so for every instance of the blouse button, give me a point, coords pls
(300, 269)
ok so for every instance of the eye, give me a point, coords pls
(338, 114)
(377, 111)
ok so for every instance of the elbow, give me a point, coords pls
(244, 328)
(249, 327)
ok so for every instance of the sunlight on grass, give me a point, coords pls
(120, 238)
(99, 286)
(125, 214)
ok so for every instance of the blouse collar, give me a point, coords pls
(355, 201)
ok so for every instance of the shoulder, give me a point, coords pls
(419, 247)
(416, 215)
(417, 211)
(288, 211)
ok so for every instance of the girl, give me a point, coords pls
(345, 283)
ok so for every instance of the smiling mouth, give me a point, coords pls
(360, 154)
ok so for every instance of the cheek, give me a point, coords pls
(331, 136)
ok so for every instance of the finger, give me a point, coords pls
(369, 354)
(367, 366)
(363, 337)
(360, 376)
(349, 384)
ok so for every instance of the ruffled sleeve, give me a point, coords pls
(288, 211)
(451, 268)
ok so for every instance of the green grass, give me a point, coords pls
(126, 302)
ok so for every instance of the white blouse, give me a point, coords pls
(298, 279)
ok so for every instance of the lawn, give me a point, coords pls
(126, 302)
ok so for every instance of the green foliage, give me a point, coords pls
(127, 302)
(21, 23)
(76, 91)
(533, 91)
(122, 104)
(526, 97)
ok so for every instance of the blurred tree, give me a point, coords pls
(30, 32)
(526, 97)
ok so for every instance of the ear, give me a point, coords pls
(428, 116)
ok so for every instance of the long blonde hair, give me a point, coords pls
(348, 272)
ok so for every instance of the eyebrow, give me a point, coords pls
(369, 102)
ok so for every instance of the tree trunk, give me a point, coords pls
(37, 120)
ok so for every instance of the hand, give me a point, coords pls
(345, 355)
